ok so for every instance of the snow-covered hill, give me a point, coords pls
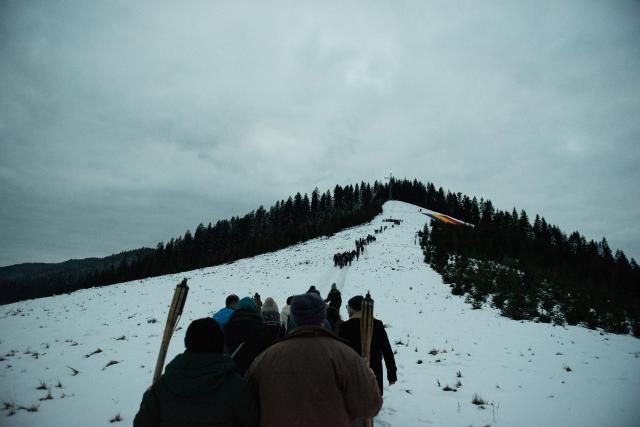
(529, 374)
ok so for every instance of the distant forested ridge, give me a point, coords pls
(290, 221)
(34, 280)
(528, 271)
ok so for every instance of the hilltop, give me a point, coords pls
(527, 373)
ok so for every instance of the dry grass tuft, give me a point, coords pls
(98, 350)
(47, 397)
(477, 400)
(111, 363)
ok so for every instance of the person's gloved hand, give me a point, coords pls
(391, 376)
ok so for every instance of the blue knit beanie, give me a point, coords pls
(247, 304)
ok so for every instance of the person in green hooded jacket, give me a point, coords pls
(245, 335)
(200, 386)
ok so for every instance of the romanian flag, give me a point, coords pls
(444, 218)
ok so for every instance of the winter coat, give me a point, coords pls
(334, 299)
(222, 316)
(291, 325)
(284, 315)
(246, 328)
(311, 378)
(333, 317)
(271, 320)
(198, 389)
(380, 347)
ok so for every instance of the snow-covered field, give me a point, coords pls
(529, 374)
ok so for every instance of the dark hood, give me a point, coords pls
(245, 316)
(196, 373)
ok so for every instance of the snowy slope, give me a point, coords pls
(529, 374)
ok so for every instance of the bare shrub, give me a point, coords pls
(111, 363)
(47, 397)
(98, 350)
(477, 400)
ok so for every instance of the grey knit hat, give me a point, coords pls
(308, 309)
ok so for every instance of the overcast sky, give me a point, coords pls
(125, 123)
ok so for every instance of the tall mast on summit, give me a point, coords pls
(390, 178)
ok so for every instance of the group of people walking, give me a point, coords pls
(343, 259)
(393, 220)
(246, 366)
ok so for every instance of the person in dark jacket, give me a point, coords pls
(380, 346)
(310, 377)
(222, 316)
(333, 317)
(312, 289)
(271, 317)
(334, 298)
(245, 336)
(199, 387)
(258, 301)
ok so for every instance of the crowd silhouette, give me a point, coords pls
(344, 259)
(250, 364)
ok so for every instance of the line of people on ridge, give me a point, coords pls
(246, 366)
(342, 259)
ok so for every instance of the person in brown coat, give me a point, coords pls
(310, 377)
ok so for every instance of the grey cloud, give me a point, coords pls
(149, 119)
